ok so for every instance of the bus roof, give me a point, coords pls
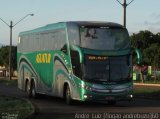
(96, 24)
(45, 28)
(79, 23)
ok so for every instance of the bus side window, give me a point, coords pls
(64, 49)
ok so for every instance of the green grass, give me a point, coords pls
(152, 92)
(145, 91)
(15, 107)
(148, 81)
(12, 107)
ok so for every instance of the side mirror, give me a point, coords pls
(76, 48)
(139, 55)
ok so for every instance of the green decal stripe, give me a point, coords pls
(61, 72)
(24, 60)
(31, 67)
(57, 58)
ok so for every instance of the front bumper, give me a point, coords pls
(103, 97)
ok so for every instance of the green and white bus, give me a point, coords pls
(84, 61)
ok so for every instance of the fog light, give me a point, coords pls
(131, 96)
(85, 96)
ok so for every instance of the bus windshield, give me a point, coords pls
(104, 38)
(107, 69)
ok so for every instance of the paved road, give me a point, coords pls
(50, 107)
(54, 106)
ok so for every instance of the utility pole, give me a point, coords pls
(10, 47)
(124, 5)
(10, 51)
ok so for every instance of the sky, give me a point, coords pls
(141, 14)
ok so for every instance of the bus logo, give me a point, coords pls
(43, 58)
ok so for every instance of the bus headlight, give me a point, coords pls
(86, 87)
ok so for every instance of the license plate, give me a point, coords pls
(109, 98)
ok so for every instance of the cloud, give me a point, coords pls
(154, 30)
(155, 16)
(148, 23)
(153, 26)
(153, 20)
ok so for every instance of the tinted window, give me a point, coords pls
(49, 40)
(73, 34)
(104, 38)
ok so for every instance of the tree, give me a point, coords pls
(142, 39)
(152, 54)
(4, 56)
(148, 43)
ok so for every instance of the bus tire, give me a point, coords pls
(28, 89)
(33, 90)
(68, 98)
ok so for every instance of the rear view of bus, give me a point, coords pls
(101, 61)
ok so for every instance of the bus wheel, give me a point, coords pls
(28, 90)
(112, 102)
(33, 90)
(68, 96)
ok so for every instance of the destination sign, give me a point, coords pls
(97, 58)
